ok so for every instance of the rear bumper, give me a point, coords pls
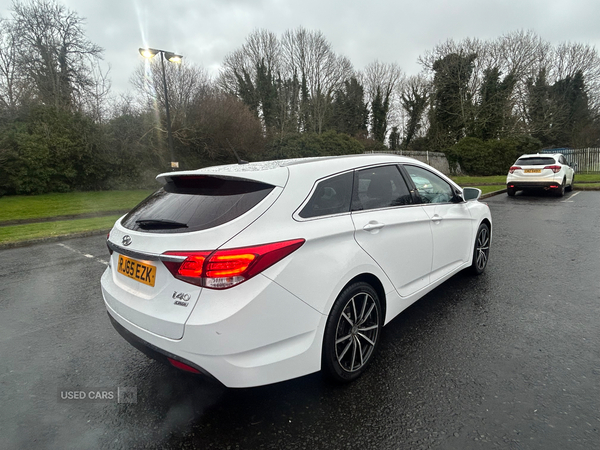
(517, 185)
(271, 337)
(154, 352)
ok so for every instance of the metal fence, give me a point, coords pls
(586, 159)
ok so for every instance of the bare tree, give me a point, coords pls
(13, 88)
(382, 81)
(570, 58)
(186, 84)
(261, 47)
(96, 101)
(309, 56)
(53, 52)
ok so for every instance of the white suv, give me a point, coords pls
(262, 272)
(540, 171)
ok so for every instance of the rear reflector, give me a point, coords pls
(182, 366)
(222, 269)
(110, 250)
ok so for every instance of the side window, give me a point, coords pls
(331, 196)
(380, 187)
(431, 188)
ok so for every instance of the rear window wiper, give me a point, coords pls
(162, 224)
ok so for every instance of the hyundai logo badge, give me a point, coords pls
(126, 240)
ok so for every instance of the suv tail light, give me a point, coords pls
(222, 269)
(554, 169)
(513, 168)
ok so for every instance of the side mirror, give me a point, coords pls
(470, 194)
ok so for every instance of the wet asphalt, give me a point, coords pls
(507, 360)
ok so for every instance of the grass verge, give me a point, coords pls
(51, 205)
(466, 181)
(588, 177)
(586, 187)
(486, 189)
(17, 233)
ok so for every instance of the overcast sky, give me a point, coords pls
(204, 31)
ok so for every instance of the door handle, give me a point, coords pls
(437, 218)
(373, 226)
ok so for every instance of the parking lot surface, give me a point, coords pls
(509, 360)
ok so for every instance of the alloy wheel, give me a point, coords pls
(482, 248)
(357, 332)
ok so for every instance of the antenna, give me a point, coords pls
(239, 160)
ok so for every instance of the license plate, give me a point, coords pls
(533, 171)
(144, 273)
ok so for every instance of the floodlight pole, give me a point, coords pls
(150, 53)
(169, 133)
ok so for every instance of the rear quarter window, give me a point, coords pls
(331, 196)
(195, 203)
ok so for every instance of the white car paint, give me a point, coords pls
(271, 327)
(539, 176)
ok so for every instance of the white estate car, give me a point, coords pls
(257, 273)
(540, 171)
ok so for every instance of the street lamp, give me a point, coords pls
(172, 57)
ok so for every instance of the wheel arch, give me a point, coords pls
(375, 283)
(488, 223)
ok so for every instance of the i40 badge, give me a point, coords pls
(181, 298)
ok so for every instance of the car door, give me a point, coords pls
(391, 228)
(450, 221)
(569, 172)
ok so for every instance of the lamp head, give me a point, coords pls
(148, 52)
(173, 57)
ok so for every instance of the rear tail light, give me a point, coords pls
(554, 169)
(222, 269)
(513, 168)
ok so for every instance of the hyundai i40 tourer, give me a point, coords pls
(257, 273)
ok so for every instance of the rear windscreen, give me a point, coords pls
(194, 203)
(538, 161)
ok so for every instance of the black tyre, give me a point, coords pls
(569, 188)
(352, 333)
(511, 192)
(481, 249)
(560, 192)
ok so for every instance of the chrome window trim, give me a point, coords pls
(412, 205)
(143, 255)
(296, 213)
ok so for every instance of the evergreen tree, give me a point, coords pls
(414, 102)
(394, 139)
(379, 110)
(493, 110)
(558, 113)
(349, 112)
(451, 108)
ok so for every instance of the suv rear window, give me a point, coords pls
(537, 161)
(193, 203)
